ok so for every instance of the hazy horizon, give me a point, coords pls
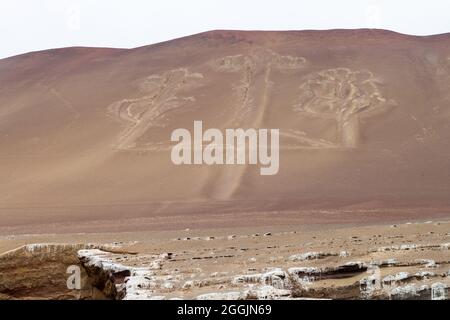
(52, 24)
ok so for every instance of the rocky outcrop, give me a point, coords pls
(110, 272)
(438, 291)
(346, 270)
(312, 256)
(118, 281)
(412, 246)
(38, 271)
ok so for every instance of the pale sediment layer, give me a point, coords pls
(405, 261)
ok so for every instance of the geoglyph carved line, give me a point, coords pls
(345, 96)
(251, 92)
(303, 141)
(148, 111)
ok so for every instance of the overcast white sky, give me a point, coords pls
(29, 25)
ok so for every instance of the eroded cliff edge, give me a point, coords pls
(406, 261)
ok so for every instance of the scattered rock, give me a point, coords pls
(409, 292)
(424, 275)
(428, 263)
(393, 279)
(344, 254)
(311, 256)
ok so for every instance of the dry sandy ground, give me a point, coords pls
(210, 261)
(364, 144)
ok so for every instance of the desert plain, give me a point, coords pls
(359, 209)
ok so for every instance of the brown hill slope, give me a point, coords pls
(363, 115)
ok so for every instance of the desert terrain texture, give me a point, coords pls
(363, 185)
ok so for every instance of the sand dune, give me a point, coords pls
(363, 118)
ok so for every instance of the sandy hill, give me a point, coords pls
(363, 115)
